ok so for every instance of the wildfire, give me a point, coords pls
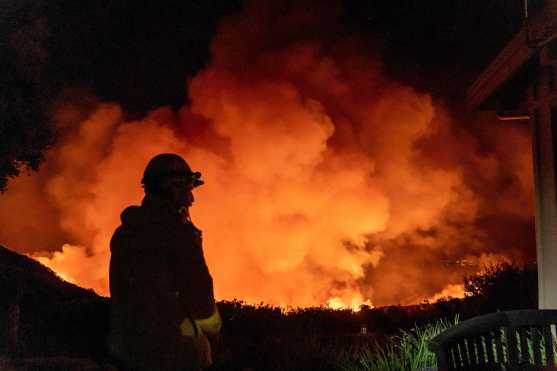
(324, 182)
(451, 291)
(56, 264)
(355, 304)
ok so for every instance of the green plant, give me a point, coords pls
(404, 352)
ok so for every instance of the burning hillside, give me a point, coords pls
(326, 181)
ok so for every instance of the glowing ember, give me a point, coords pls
(355, 304)
(451, 291)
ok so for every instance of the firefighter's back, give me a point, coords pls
(144, 316)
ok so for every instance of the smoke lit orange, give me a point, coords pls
(314, 178)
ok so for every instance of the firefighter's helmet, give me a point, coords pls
(167, 166)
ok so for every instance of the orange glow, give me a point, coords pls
(53, 262)
(327, 183)
(454, 291)
(355, 303)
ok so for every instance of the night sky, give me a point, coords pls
(63, 61)
(141, 54)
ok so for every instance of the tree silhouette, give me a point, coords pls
(24, 129)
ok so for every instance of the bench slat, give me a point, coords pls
(489, 348)
(524, 354)
(466, 352)
(459, 355)
(481, 351)
(458, 358)
(512, 345)
(548, 344)
(536, 345)
(472, 351)
(501, 358)
(452, 360)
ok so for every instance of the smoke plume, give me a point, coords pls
(327, 182)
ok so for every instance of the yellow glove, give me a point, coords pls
(210, 325)
(200, 342)
(187, 329)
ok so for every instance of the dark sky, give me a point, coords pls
(142, 53)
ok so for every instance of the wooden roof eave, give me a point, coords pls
(504, 66)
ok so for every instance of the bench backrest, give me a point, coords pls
(512, 340)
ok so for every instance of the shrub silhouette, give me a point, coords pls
(504, 286)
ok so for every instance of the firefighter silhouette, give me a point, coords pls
(163, 312)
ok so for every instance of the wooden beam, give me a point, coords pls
(505, 65)
(538, 30)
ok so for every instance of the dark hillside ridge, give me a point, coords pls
(18, 270)
(42, 315)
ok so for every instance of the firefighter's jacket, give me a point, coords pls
(158, 277)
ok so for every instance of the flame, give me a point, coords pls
(49, 262)
(355, 303)
(455, 291)
(72, 264)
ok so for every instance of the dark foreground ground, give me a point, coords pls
(49, 324)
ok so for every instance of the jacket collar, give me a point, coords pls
(159, 208)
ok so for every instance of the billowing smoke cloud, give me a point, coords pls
(326, 182)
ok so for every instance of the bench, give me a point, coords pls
(513, 340)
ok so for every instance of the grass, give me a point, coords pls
(404, 352)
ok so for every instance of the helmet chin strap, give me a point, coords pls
(184, 213)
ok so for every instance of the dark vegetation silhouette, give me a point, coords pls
(504, 287)
(25, 131)
(49, 324)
